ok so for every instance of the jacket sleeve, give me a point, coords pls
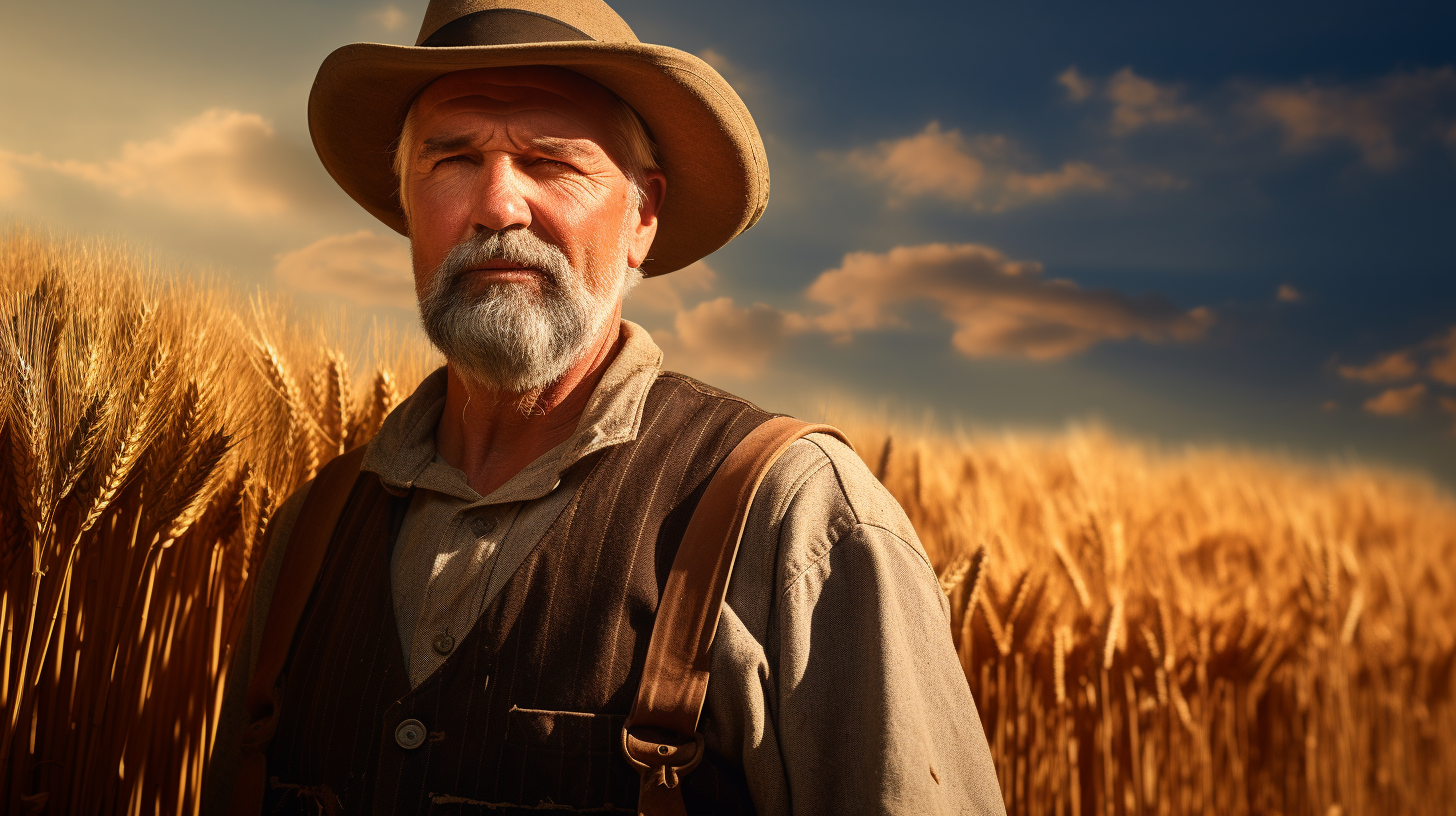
(849, 697)
(875, 715)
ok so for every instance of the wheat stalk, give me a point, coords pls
(1249, 635)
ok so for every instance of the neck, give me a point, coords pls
(486, 434)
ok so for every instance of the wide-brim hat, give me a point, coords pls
(707, 142)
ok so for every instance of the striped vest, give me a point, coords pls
(527, 712)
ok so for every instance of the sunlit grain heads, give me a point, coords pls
(81, 447)
(382, 398)
(189, 491)
(137, 418)
(179, 433)
(29, 347)
(1144, 632)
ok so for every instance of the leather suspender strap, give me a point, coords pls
(307, 545)
(660, 738)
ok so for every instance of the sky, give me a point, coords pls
(1232, 224)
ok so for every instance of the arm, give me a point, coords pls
(875, 715)
(835, 681)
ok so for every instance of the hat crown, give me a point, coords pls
(592, 18)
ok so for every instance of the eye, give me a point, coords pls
(458, 158)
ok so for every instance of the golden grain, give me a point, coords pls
(1206, 631)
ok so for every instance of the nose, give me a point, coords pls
(500, 201)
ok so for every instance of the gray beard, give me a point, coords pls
(510, 337)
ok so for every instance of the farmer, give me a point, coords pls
(474, 634)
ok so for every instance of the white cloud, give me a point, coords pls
(1392, 367)
(1374, 118)
(1138, 102)
(1429, 363)
(370, 269)
(1442, 366)
(1433, 359)
(998, 306)
(1382, 119)
(222, 159)
(1397, 401)
(720, 337)
(389, 18)
(985, 172)
(668, 294)
(12, 184)
(1079, 88)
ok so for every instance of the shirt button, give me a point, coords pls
(481, 526)
(410, 734)
(443, 643)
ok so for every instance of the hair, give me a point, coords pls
(633, 148)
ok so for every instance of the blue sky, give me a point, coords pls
(1235, 223)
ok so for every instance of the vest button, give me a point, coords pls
(481, 526)
(443, 643)
(410, 734)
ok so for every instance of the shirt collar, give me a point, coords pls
(403, 452)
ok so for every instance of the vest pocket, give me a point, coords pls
(569, 732)
(570, 758)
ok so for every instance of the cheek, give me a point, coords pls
(598, 227)
(442, 202)
(439, 219)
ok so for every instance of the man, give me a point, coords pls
(477, 631)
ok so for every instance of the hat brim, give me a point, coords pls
(707, 142)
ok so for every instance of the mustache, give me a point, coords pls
(516, 245)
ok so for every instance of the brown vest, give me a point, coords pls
(528, 710)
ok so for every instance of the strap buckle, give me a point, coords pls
(659, 762)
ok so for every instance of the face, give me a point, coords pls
(523, 223)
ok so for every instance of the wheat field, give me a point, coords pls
(1145, 632)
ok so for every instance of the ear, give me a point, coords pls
(644, 227)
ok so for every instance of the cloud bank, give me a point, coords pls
(1397, 401)
(221, 160)
(389, 18)
(994, 305)
(998, 307)
(1432, 364)
(1373, 118)
(987, 173)
(1136, 101)
(718, 336)
(1392, 367)
(668, 294)
(1381, 119)
(369, 269)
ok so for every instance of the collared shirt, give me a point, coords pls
(834, 681)
(456, 549)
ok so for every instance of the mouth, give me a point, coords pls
(506, 272)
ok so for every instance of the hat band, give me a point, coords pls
(503, 27)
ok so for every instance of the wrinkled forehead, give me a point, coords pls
(509, 90)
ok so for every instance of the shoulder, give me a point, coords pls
(820, 495)
(820, 473)
(671, 386)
